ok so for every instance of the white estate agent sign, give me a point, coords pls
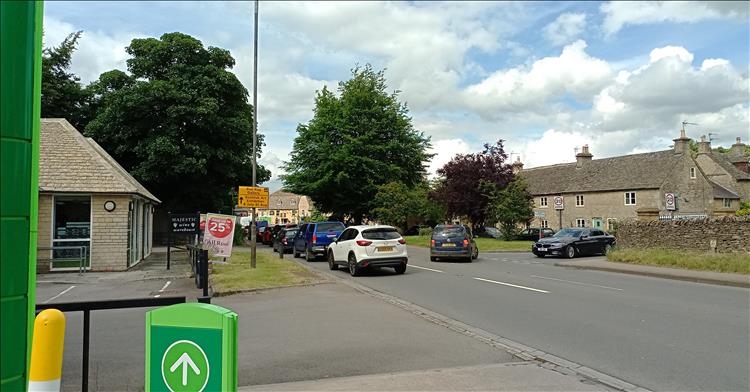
(219, 234)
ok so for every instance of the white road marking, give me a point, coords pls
(157, 296)
(165, 286)
(578, 283)
(513, 285)
(58, 295)
(425, 268)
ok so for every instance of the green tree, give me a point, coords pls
(509, 206)
(744, 209)
(62, 94)
(315, 216)
(355, 142)
(180, 123)
(395, 204)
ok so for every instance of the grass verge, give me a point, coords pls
(738, 263)
(484, 244)
(270, 271)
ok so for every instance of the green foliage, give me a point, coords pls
(425, 232)
(356, 141)
(180, 123)
(395, 203)
(62, 94)
(315, 216)
(744, 209)
(238, 234)
(509, 206)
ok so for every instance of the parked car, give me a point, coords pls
(312, 239)
(532, 233)
(574, 241)
(361, 247)
(490, 232)
(453, 241)
(284, 240)
(414, 230)
(261, 231)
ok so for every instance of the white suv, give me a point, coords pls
(360, 247)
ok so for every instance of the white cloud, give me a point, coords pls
(618, 14)
(522, 89)
(444, 151)
(565, 28)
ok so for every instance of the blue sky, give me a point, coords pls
(545, 76)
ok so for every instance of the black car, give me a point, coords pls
(532, 234)
(574, 241)
(453, 242)
(284, 239)
(489, 232)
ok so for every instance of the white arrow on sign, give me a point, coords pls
(185, 361)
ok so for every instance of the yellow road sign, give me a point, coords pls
(252, 197)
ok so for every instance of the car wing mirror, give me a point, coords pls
(583, 237)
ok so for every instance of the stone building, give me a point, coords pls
(89, 206)
(598, 192)
(283, 207)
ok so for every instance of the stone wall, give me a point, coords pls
(109, 233)
(732, 234)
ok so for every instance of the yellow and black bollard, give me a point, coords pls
(47, 351)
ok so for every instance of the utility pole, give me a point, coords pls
(253, 226)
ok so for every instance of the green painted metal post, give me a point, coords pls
(20, 100)
(191, 347)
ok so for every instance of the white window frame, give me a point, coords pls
(579, 197)
(727, 203)
(580, 222)
(633, 200)
(692, 172)
(543, 201)
(545, 224)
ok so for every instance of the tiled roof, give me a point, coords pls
(722, 193)
(70, 162)
(725, 161)
(281, 200)
(637, 171)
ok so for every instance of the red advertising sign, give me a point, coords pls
(219, 234)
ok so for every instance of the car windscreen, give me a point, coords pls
(381, 234)
(325, 227)
(449, 231)
(569, 233)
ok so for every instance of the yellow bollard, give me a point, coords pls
(47, 351)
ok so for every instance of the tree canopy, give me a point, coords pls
(180, 122)
(62, 94)
(356, 141)
(509, 206)
(459, 190)
(395, 204)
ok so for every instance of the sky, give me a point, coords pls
(546, 77)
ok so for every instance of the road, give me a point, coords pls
(656, 333)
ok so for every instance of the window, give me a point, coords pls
(72, 230)
(629, 198)
(596, 233)
(270, 213)
(580, 222)
(611, 224)
(692, 172)
(579, 200)
(545, 224)
(727, 203)
(542, 202)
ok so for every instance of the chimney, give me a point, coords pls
(682, 143)
(517, 165)
(583, 156)
(738, 147)
(704, 146)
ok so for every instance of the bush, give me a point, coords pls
(425, 232)
(239, 238)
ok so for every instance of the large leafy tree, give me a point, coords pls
(356, 141)
(62, 94)
(396, 204)
(180, 122)
(459, 190)
(509, 207)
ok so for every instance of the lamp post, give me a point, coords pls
(253, 226)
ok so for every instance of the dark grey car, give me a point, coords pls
(574, 241)
(453, 242)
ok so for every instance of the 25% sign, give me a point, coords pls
(252, 197)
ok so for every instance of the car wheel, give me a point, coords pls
(353, 269)
(331, 263)
(433, 258)
(307, 256)
(400, 269)
(475, 255)
(607, 249)
(570, 252)
(295, 253)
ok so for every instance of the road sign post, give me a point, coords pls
(559, 203)
(191, 347)
(252, 197)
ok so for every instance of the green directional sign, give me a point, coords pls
(191, 347)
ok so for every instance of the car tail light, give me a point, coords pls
(432, 242)
(402, 241)
(315, 238)
(363, 243)
(284, 241)
(466, 243)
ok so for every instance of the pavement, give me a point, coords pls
(721, 278)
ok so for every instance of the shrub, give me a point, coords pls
(425, 232)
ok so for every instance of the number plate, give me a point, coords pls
(385, 249)
(542, 249)
(448, 244)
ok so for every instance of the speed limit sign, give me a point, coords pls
(559, 203)
(670, 201)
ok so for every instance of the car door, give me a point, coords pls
(343, 245)
(336, 245)
(599, 241)
(299, 239)
(585, 245)
(525, 234)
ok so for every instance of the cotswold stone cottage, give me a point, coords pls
(598, 192)
(283, 207)
(89, 206)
